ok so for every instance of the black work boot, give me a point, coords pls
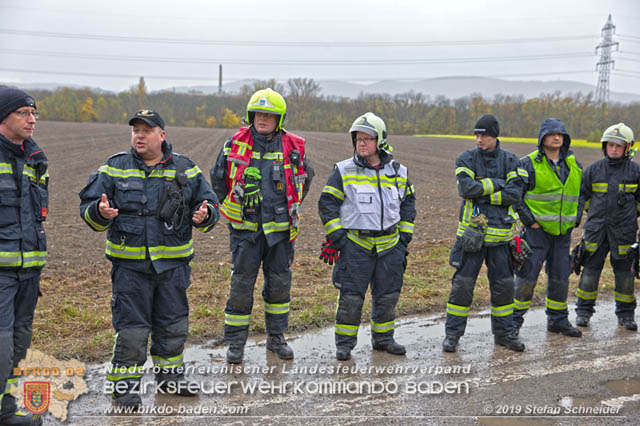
(179, 386)
(11, 416)
(343, 354)
(450, 343)
(392, 347)
(128, 400)
(510, 342)
(277, 345)
(628, 323)
(235, 353)
(565, 328)
(582, 320)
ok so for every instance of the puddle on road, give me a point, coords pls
(624, 387)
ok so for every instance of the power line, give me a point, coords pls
(256, 43)
(314, 62)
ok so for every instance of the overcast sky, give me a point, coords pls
(109, 44)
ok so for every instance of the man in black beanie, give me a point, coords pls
(489, 184)
(23, 209)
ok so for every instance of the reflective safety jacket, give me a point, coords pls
(283, 184)
(370, 206)
(490, 183)
(612, 201)
(24, 201)
(137, 238)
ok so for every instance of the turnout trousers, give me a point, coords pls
(500, 274)
(18, 299)
(143, 304)
(246, 256)
(553, 251)
(624, 292)
(355, 269)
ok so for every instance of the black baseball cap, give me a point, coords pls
(152, 118)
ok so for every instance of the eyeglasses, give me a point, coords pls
(25, 114)
(367, 140)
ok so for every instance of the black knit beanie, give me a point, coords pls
(487, 125)
(11, 99)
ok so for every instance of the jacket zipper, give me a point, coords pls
(381, 201)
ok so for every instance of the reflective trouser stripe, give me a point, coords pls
(347, 330)
(459, 311)
(625, 298)
(502, 311)
(172, 362)
(276, 308)
(587, 295)
(120, 373)
(382, 327)
(236, 320)
(556, 306)
(521, 305)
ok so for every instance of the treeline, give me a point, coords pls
(307, 109)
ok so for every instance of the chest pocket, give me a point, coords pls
(9, 200)
(40, 201)
(366, 199)
(129, 194)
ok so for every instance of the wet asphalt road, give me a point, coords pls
(557, 380)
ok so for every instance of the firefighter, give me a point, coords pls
(368, 209)
(490, 184)
(549, 210)
(24, 196)
(148, 199)
(262, 175)
(612, 202)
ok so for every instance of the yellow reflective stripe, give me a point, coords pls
(120, 373)
(6, 168)
(231, 210)
(269, 227)
(457, 310)
(468, 211)
(493, 235)
(383, 327)
(487, 186)
(556, 306)
(31, 172)
(162, 173)
(381, 244)
(587, 204)
(599, 187)
(522, 172)
(91, 222)
(333, 191)
(236, 320)
(276, 308)
(245, 225)
(496, 198)
(346, 329)
(125, 173)
(624, 248)
(172, 362)
(125, 252)
(465, 170)
(333, 225)
(373, 180)
(587, 295)
(10, 258)
(193, 172)
(502, 311)
(273, 156)
(171, 252)
(628, 187)
(625, 298)
(33, 258)
(521, 304)
(511, 175)
(255, 155)
(590, 247)
(405, 226)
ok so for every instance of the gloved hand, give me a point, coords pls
(329, 253)
(577, 257)
(252, 194)
(520, 251)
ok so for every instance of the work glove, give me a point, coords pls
(252, 194)
(577, 257)
(329, 253)
(520, 251)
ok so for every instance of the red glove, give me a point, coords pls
(329, 252)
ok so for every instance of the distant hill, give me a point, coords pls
(449, 87)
